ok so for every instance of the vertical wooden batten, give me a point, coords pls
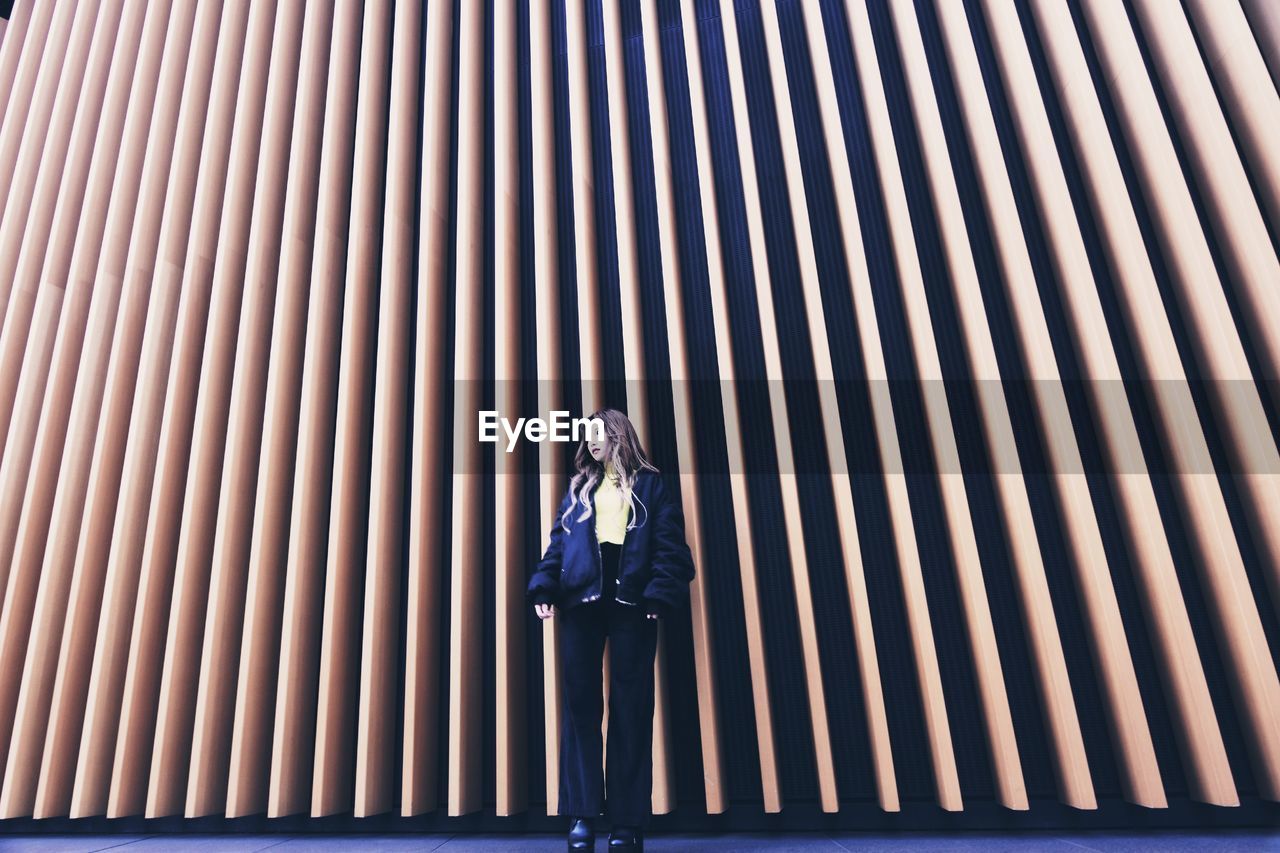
(296, 720)
(766, 739)
(466, 587)
(246, 327)
(427, 478)
(510, 610)
(257, 679)
(682, 390)
(343, 692)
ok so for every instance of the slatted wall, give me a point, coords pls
(955, 322)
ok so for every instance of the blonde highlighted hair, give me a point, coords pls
(623, 450)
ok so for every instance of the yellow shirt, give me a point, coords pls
(613, 505)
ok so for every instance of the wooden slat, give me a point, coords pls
(200, 604)
(1202, 503)
(333, 779)
(248, 251)
(58, 195)
(1218, 346)
(937, 725)
(80, 352)
(782, 432)
(1140, 774)
(294, 727)
(1075, 784)
(466, 586)
(582, 177)
(734, 441)
(510, 612)
(422, 653)
(20, 149)
(1240, 219)
(13, 34)
(1230, 204)
(1264, 20)
(682, 390)
(550, 387)
(375, 753)
(204, 589)
(984, 652)
(90, 484)
(22, 95)
(258, 681)
(1248, 94)
(39, 159)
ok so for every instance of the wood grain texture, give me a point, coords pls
(262, 264)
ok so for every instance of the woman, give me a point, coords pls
(617, 562)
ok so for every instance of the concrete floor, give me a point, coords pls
(1052, 842)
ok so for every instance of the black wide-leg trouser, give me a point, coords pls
(622, 789)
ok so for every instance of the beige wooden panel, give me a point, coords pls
(734, 441)
(1075, 784)
(1264, 19)
(203, 591)
(1247, 91)
(21, 549)
(984, 652)
(257, 681)
(45, 138)
(161, 624)
(182, 288)
(33, 81)
(929, 675)
(336, 720)
(1203, 505)
(1140, 774)
(378, 678)
(782, 435)
(1241, 221)
(59, 194)
(550, 388)
(248, 252)
(682, 389)
(53, 167)
(80, 355)
(294, 727)
(13, 32)
(584, 216)
(1232, 207)
(466, 585)
(1133, 272)
(91, 473)
(511, 614)
(422, 649)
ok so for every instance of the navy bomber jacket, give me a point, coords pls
(656, 566)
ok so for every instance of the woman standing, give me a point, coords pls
(616, 563)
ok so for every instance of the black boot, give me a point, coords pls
(581, 834)
(628, 838)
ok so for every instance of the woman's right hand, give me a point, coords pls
(544, 611)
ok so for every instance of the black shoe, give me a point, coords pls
(581, 834)
(627, 838)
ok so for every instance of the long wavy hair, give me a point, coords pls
(622, 448)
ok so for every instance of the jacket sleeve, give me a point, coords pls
(544, 585)
(673, 569)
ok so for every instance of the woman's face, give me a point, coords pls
(598, 448)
